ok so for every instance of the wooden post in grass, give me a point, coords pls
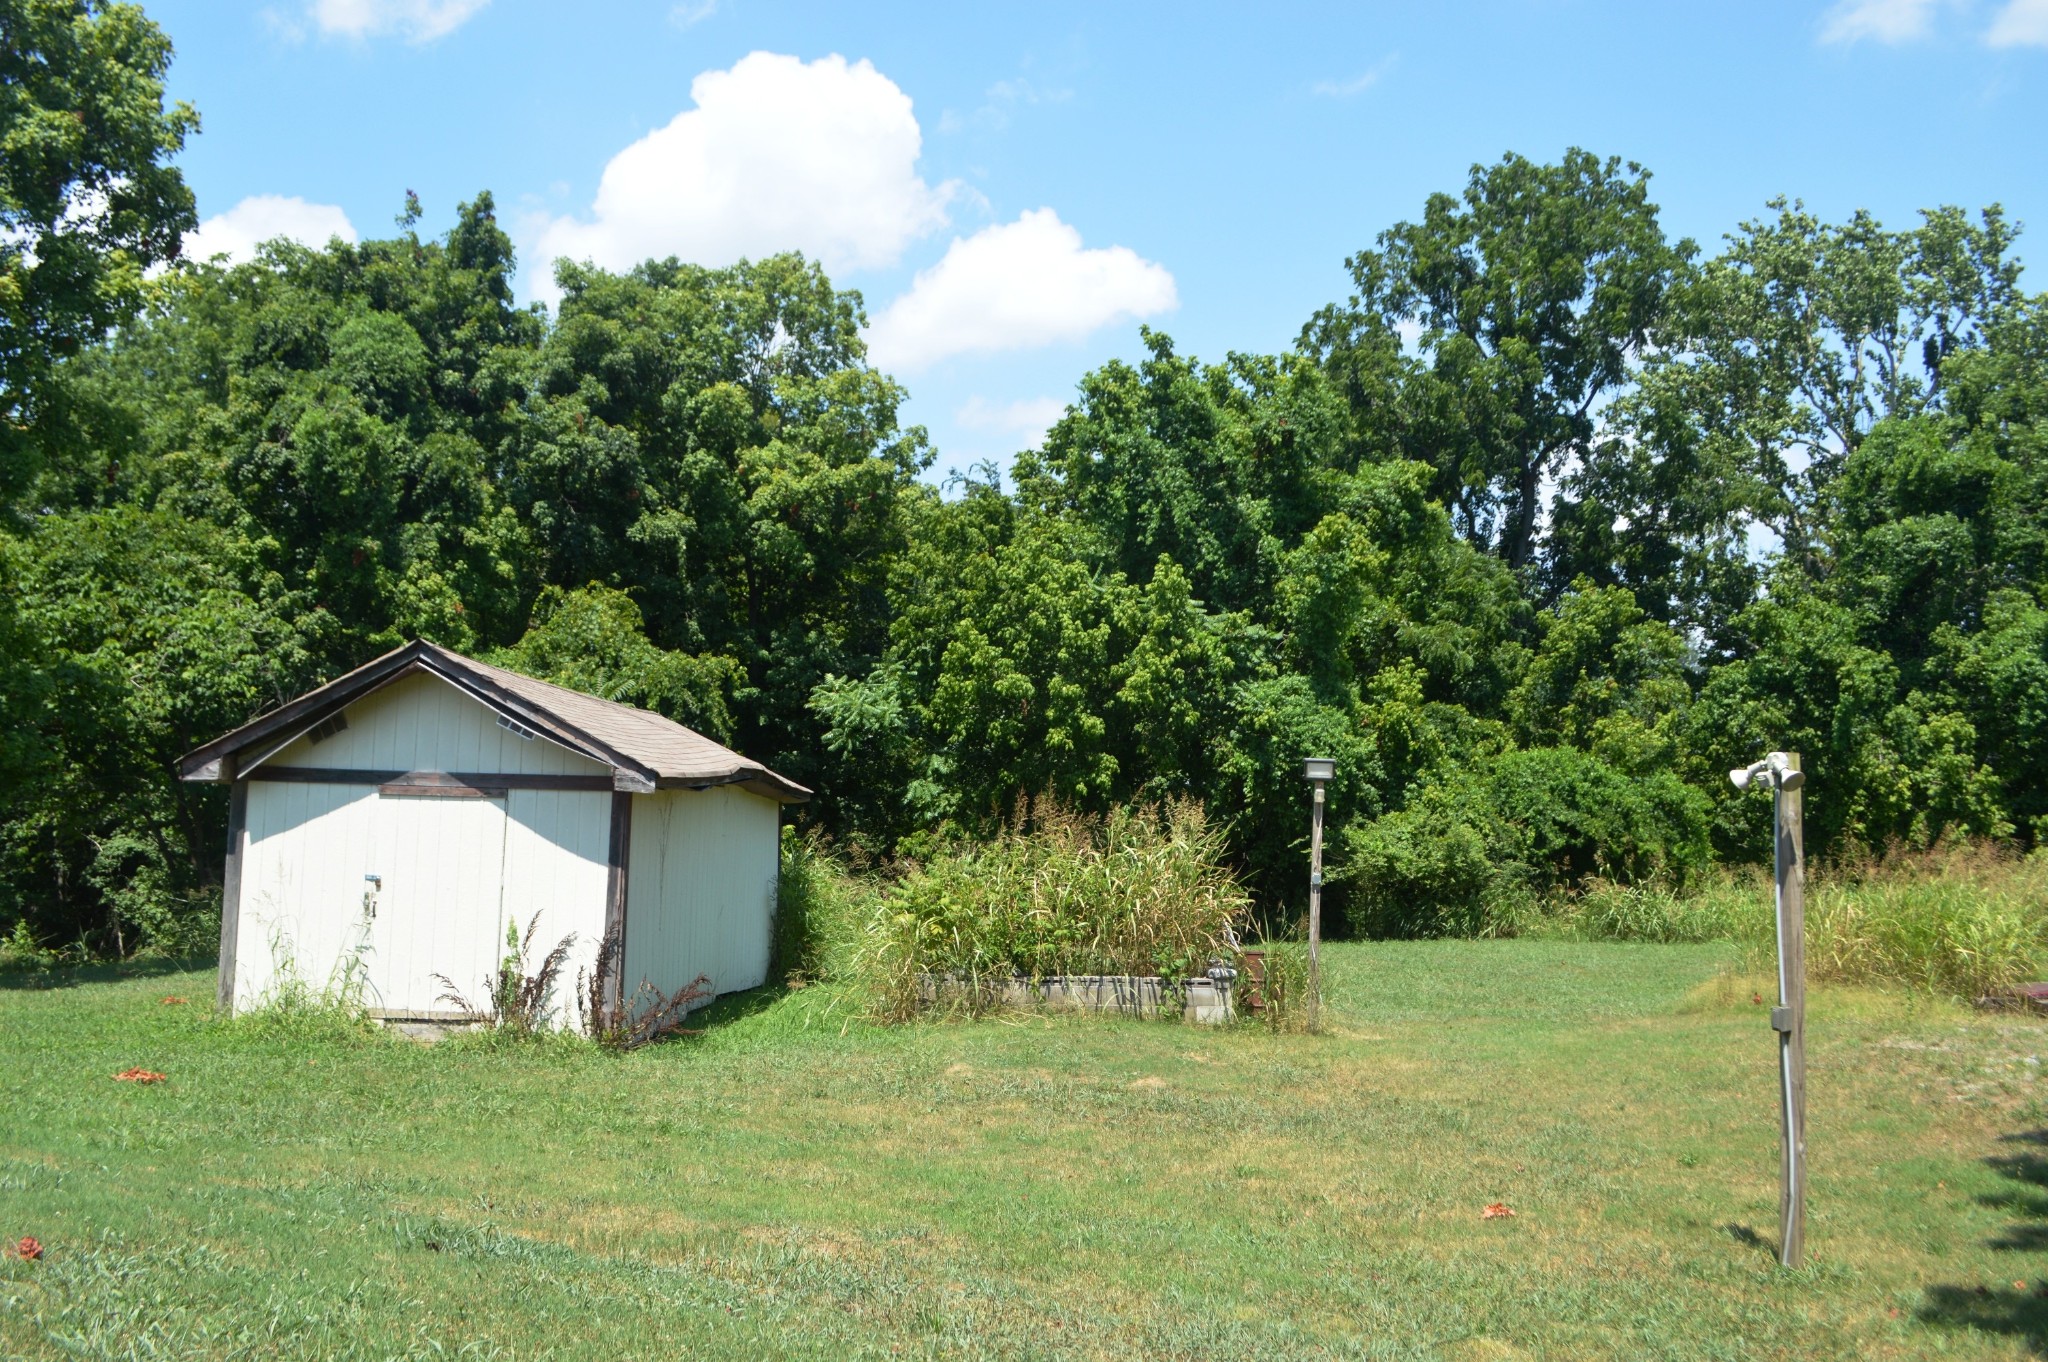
(1789, 1019)
(1319, 771)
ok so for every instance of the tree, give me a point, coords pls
(1530, 298)
(87, 199)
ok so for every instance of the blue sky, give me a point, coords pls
(1013, 189)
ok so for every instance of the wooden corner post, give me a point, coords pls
(1788, 1019)
(231, 896)
(618, 872)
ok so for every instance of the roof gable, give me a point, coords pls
(422, 721)
(644, 750)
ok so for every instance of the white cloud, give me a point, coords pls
(778, 154)
(1028, 419)
(2022, 23)
(692, 12)
(1000, 103)
(1887, 21)
(263, 217)
(1013, 286)
(1358, 84)
(419, 21)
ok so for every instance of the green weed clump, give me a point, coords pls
(821, 908)
(1968, 920)
(1726, 908)
(1143, 891)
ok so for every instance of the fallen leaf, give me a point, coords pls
(138, 1076)
(1756, 997)
(1499, 1210)
(2019, 1286)
(29, 1249)
(173, 1001)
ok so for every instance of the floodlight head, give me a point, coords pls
(1319, 769)
(1741, 778)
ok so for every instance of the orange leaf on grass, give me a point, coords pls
(138, 1076)
(29, 1249)
(173, 1001)
(1499, 1210)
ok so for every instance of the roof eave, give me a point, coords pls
(754, 779)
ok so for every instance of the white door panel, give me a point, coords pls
(437, 901)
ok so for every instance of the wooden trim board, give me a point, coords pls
(231, 894)
(618, 863)
(499, 781)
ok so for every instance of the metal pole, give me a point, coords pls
(1789, 1017)
(1315, 912)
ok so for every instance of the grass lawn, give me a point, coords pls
(792, 1184)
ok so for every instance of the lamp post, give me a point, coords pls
(1319, 771)
(1780, 771)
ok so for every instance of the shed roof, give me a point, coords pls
(644, 750)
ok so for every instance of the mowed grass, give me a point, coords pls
(797, 1183)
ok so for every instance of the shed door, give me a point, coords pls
(438, 901)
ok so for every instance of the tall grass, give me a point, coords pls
(821, 908)
(1142, 892)
(1966, 920)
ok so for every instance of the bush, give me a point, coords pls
(1473, 853)
(820, 909)
(1141, 892)
(1971, 921)
(1968, 921)
(1727, 908)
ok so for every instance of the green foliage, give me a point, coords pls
(1722, 908)
(1537, 534)
(1964, 921)
(1535, 291)
(593, 640)
(821, 907)
(88, 201)
(1961, 919)
(1140, 892)
(1472, 851)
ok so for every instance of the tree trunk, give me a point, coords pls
(1518, 537)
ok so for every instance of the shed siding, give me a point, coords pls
(305, 856)
(555, 844)
(456, 871)
(304, 919)
(700, 890)
(423, 723)
(440, 907)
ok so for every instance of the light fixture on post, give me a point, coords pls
(1779, 772)
(1319, 772)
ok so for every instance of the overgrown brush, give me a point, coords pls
(821, 906)
(621, 1021)
(1969, 920)
(1726, 908)
(1284, 993)
(1143, 891)
(520, 1002)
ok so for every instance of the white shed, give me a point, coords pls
(392, 823)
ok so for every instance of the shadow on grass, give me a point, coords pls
(735, 1007)
(2019, 1310)
(100, 972)
(1749, 1238)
